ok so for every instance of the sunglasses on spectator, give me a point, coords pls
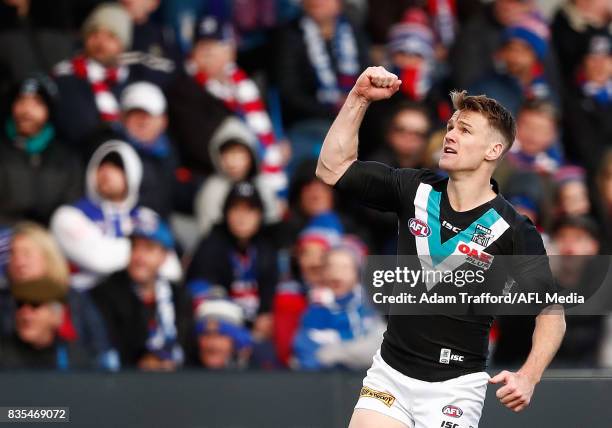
(409, 131)
(34, 305)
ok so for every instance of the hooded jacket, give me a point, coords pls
(93, 232)
(211, 196)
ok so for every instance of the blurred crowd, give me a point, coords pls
(159, 207)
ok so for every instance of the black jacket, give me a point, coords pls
(126, 320)
(569, 43)
(587, 129)
(194, 116)
(212, 263)
(296, 76)
(16, 354)
(33, 186)
(76, 115)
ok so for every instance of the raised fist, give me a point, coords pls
(376, 83)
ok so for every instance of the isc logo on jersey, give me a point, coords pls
(446, 356)
(419, 228)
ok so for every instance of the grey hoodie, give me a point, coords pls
(211, 196)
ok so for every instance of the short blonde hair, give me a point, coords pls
(57, 266)
(499, 118)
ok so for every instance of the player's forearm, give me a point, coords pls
(339, 149)
(547, 337)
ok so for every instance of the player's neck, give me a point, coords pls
(466, 192)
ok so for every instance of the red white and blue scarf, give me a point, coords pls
(332, 85)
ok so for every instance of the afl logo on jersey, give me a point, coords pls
(452, 411)
(419, 228)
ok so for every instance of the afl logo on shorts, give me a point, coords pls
(452, 411)
(419, 228)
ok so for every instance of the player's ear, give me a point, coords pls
(495, 151)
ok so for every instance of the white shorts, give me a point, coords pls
(454, 403)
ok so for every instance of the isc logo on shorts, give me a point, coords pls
(385, 397)
(446, 356)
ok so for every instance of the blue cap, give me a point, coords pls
(533, 30)
(239, 335)
(214, 28)
(149, 225)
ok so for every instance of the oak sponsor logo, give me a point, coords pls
(419, 228)
(385, 397)
(452, 411)
(476, 257)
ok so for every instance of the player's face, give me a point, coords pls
(468, 142)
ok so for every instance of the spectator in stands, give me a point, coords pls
(90, 83)
(576, 241)
(308, 198)
(411, 50)
(153, 55)
(406, 137)
(236, 256)
(602, 199)
(571, 192)
(38, 341)
(340, 331)
(233, 151)
(148, 317)
(588, 106)
(35, 35)
(537, 147)
(323, 232)
(519, 72)
(222, 340)
(319, 58)
(143, 126)
(93, 232)
(525, 205)
(37, 172)
(573, 26)
(212, 66)
(481, 35)
(36, 257)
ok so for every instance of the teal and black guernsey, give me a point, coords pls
(441, 347)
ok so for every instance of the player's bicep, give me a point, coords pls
(374, 184)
